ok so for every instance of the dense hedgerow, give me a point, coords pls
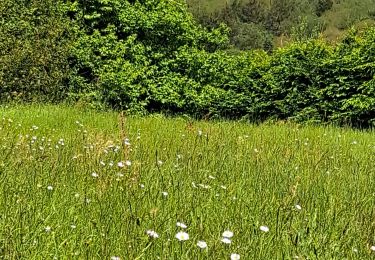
(152, 56)
(35, 43)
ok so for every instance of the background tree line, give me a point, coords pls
(267, 24)
(147, 56)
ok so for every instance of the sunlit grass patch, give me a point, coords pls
(86, 185)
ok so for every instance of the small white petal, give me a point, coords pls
(235, 257)
(228, 234)
(226, 240)
(372, 248)
(202, 244)
(120, 164)
(181, 225)
(264, 228)
(152, 233)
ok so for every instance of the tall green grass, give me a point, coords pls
(64, 194)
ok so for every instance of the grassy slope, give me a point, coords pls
(234, 176)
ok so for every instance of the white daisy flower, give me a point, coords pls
(120, 164)
(95, 175)
(235, 257)
(165, 194)
(264, 228)
(182, 236)
(47, 229)
(181, 225)
(127, 142)
(372, 248)
(152, 233)
(298, 207)
(128, 163)
(202, 244)
(49, 187)
(228, 234)
(226, 240)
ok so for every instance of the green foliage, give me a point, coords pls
(314, 80)
(34, 48)
(153, 56)
(127, 52)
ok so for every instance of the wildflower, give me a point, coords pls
(372, 248)
(226, 240)
(228, 234)
(160, 163)
(235, 257)
(102, 163)
(115, 258)
(47, 229)
(200, 132)
(127, 142)
(120, 164)
(181, 225)
(49, 187)
(202, 244)
(165, 194)
(128, 163)
(203, 186)
(264, 228)
(73, 226)
(142, 186)
(182, 236)
(95, 175)
(298, 207)
(223, 187)
(152, 234)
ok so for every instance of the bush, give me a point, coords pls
(34, 49)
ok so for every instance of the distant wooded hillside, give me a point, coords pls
(268, 23)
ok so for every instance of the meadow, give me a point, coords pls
(80, 184)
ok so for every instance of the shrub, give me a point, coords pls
(34, 48)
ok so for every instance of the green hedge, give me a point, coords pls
(34, 50)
